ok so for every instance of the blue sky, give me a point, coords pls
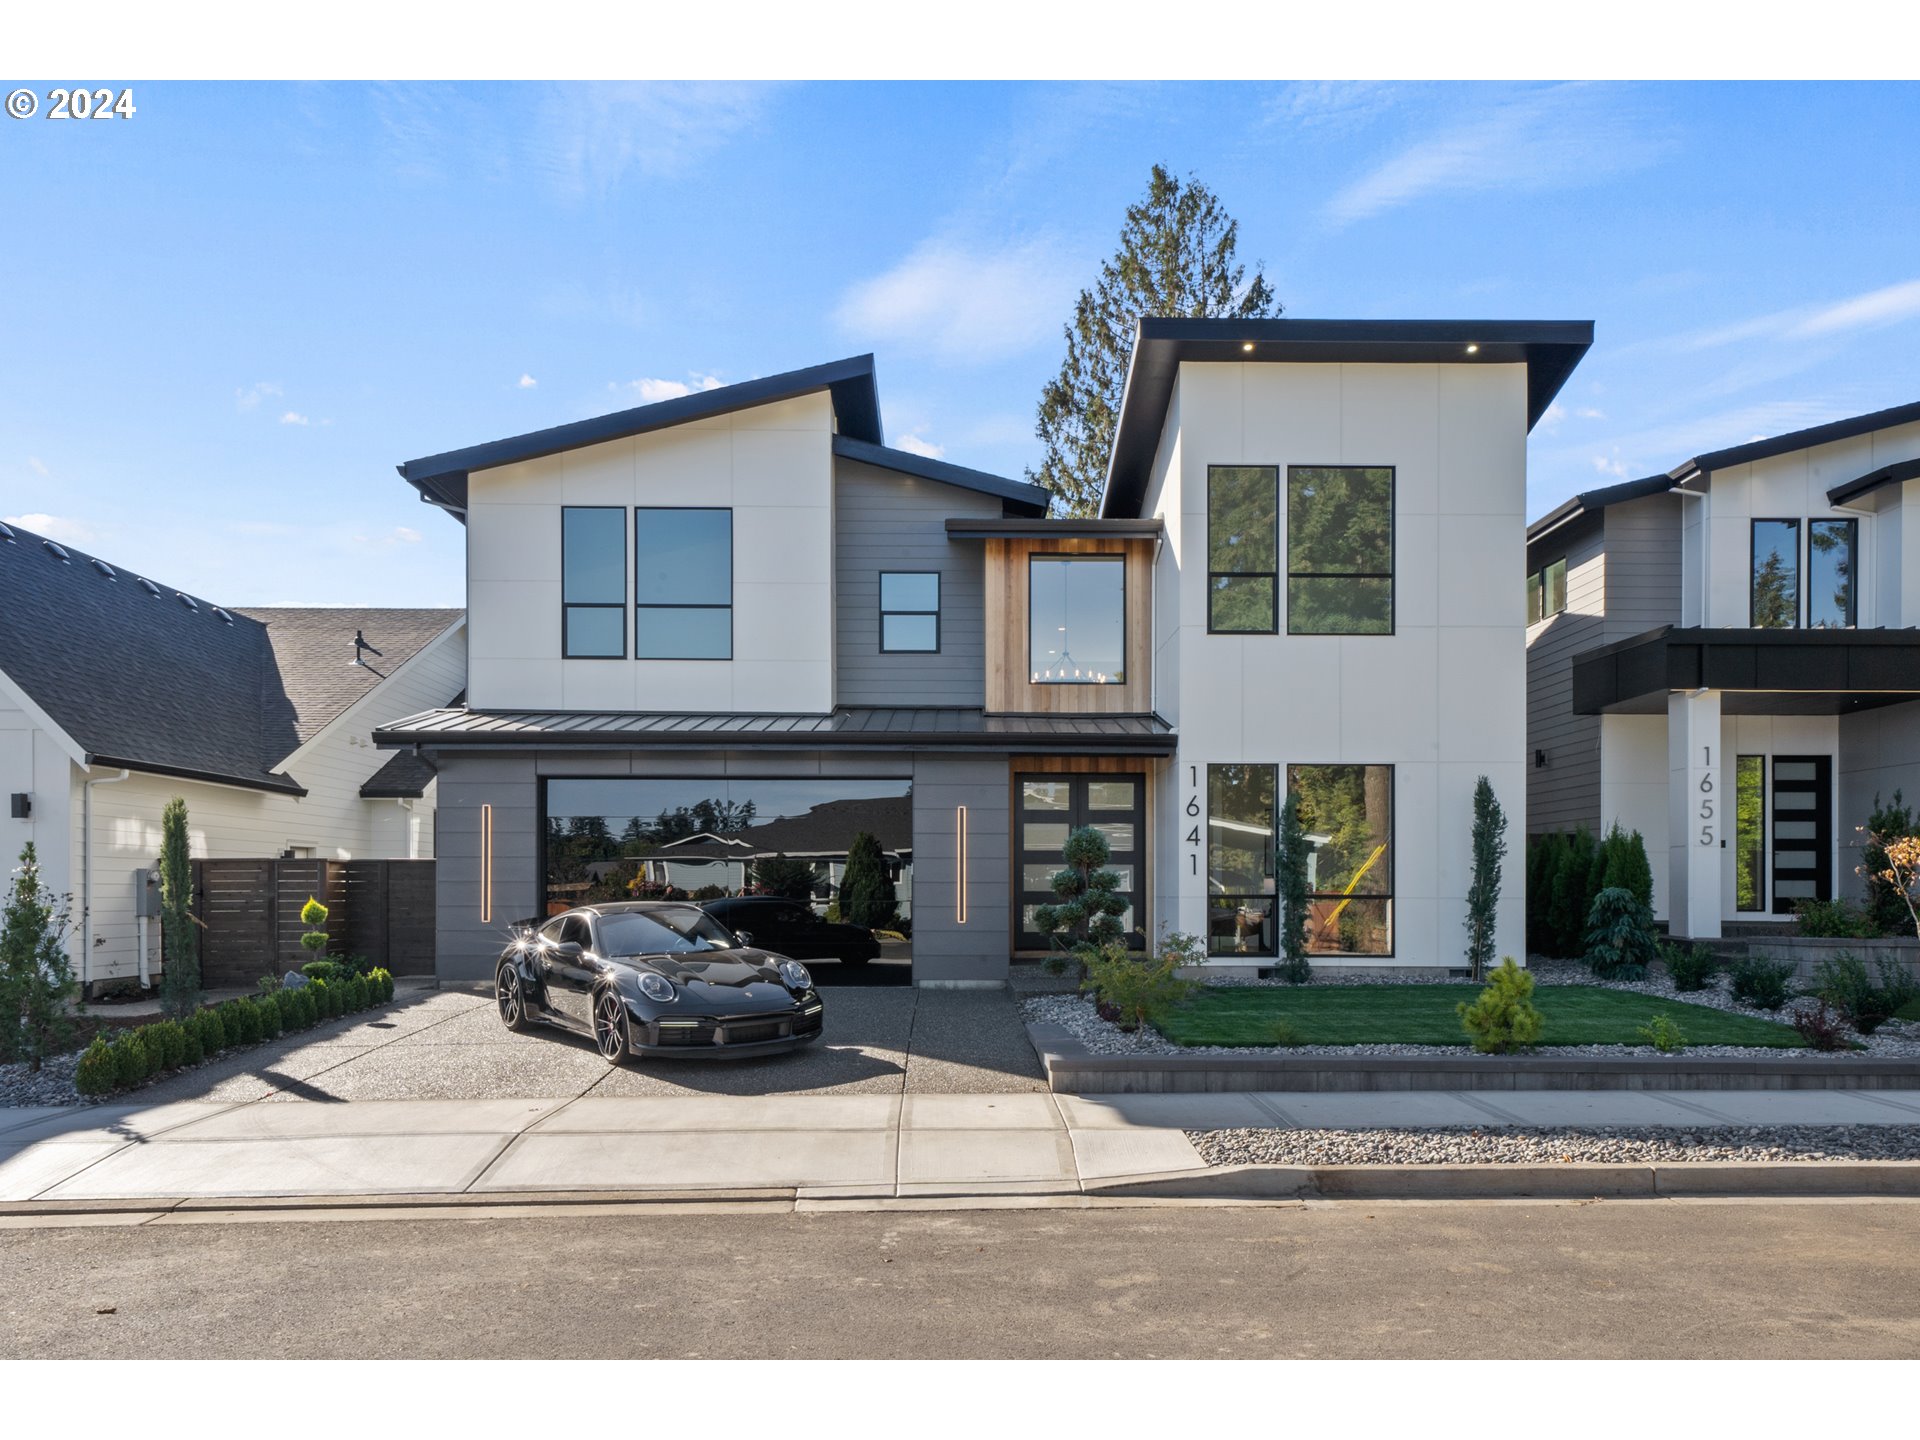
(229, 317)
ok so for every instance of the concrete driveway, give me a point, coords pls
(450, 1045)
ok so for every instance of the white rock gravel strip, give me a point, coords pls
(1510, 1145)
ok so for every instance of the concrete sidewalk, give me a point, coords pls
(814, 1147)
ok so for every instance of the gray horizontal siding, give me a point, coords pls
(1643, 565)
(886, 521)
(1566, 792)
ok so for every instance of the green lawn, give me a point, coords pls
(1425, 1015)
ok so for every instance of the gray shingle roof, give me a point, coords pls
(313, 652)
(139, 675)
(405, 776)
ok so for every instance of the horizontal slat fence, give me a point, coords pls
(249, 914)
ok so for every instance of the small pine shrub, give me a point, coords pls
(129, 1060)
(1139, 985)
(1282, 1033)
(98, 1071)
(1866, 1004)
(1820, 1027)
(1621, 940)
(1760, 983)
(1504, 1017)
(1690, 967)
(1833, 920)
(1663, 1032)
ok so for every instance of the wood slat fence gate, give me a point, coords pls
(249, 912)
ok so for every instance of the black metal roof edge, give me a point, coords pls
(1726, 635)
(960, 529)
(1550, 349)
(1144, 743)
(905, 462)
(1813, 435)
(1898, 472)
(1588, 501)
(856, 403)
(273, 784)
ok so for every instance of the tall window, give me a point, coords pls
(1347, 814)
(1339, 550)
(1243, 549)
(1547, 591)
(909, 611)
(1830, 586)
(1077, 619)
(683, 584)
(593, 582)
(1750, 833)
(1776, 574)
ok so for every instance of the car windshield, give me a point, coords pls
(668, 931)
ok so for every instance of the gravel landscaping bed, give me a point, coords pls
(53, 1085)
(1509, 1145)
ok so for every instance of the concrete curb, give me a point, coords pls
(1072, 1069)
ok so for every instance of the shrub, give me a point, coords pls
(309, 996)
(1621, 940)
(171, 1036)
(1760, 983)
(1290, 885)
(98, 1071)
(1503, 1018)
(1624, 866)
(1281, 1032)
(179, 927)
(1663, 1032)
(236, 1018)
(129, 1059)
(313, 915)
(1543, 863)
(211, 1030)
(336, 1001)
(267, 1014)
(287, 1003)
(867, 895)
(1820, 1027)
(1483, 895)
(357, 994)
(1139, 986)
(36, 978)
(193, 1052)
(1833, 920)
(1842, 982)
(1690, 967)
(270, 984)
(383, 979)
(1571, 900)
(327, 970)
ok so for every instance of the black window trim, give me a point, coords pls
(1121, 561)
(638, 606)
(566, 648)
(1272, 577)
(1853, 569)
(1393, 556)
(881, 598)
(1753, 570)
(1540, 575)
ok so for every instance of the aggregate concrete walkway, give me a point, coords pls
(814, 1147)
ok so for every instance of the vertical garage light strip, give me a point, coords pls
(960, 865)
(486, 864)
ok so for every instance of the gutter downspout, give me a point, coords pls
(407, 805)
(86, 876)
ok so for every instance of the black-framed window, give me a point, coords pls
(910, 612)
(593, 582)
(1547, 591)
(682, 584)
(1774, 599)
(1077, 619)
(1347, 814)
(1750, 833)
(1832, 601)
(1340, 549)
(1243, 549)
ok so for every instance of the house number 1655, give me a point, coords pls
(1706, 788)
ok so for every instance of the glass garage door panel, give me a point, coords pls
(1049, 807)
(1801, 816)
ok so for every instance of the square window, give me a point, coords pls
(1076, 619)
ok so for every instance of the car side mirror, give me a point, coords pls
(745, 937)
(567, 950)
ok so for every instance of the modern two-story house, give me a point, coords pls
(734, 627)
(1724, 657)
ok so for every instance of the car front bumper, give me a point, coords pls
(715, 1036)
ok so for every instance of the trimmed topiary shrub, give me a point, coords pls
(1621, 940)
(236, 1017)
(267, 1015)
(129, 1059)
(331, 971)
(1503, 1018)
(98, 1071)
(357, 989)
(171, 1038)
(192, 1052)
(382, 979)
(212, 1032)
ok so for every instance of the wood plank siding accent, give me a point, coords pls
(1009, 690)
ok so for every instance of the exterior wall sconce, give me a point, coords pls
(1539, 759)
(960, 865)
(486, 864)
(22, 806)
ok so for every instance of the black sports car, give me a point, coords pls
(656, 978)
(791, 928)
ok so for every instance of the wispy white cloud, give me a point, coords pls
(914, 445)
(1873, 310)
(294, 417)
(527, 382)
(37, 465)
(55, 527)
(386, 540)
(1542, 139)
(1336, 106)
(1610, 465)
(248, 397)
(652, 391)
(587, 137)
(966, 304)
(1588, 412)
(1551, 418)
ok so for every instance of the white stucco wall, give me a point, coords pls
(772, 464)
(1442, 699)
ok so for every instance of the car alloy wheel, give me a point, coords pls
(610, 1027)
(511, 998)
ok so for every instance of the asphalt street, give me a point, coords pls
(1649, 1279)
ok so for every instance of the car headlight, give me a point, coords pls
(795, 974)
(656, 987)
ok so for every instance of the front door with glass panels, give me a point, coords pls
(1046, 809)
(1802, 834)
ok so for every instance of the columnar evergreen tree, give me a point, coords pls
(867, 896)
(1290, 887)
(36, 978)
(179, 930)
(1177, 257)
(1483, 894)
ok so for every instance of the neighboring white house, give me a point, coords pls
(738, 613)
(118, 693)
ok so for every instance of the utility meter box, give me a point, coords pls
(146, 893)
